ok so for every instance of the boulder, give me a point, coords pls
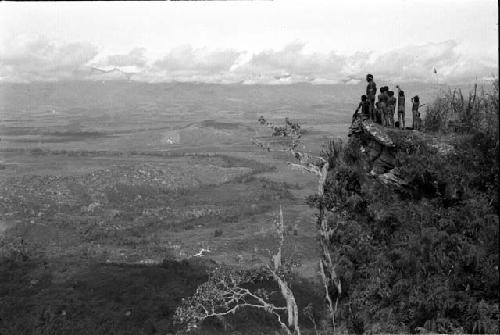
(377, 132)
(377, 146)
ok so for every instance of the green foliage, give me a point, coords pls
(451, 111)
(290, 129)
(331, 151)
(423, 259)
(444, 107)
(351, 153)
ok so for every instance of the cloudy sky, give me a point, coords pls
(255, 42)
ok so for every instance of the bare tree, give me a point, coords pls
(226, 292)
(320, 166)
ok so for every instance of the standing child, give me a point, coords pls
(401, 108)
(382, 106)
(364, 105)
(371, 91)
(391, 107)
(414, 110)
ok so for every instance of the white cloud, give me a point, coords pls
(185, 63)
(470, 69)
(416, 62)
(39, 59)
(410, 63)
(136, 57)
(292, 64)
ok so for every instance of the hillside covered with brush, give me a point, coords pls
(413, 225)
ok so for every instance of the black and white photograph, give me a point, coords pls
(282, 167)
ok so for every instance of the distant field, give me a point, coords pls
(114, 176)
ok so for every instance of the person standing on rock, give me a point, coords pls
(382, 106)
(364, 105)
(392, 107)
(371, 91)
(386, 109)
(377, 113)
(401, 108)
(414, 110)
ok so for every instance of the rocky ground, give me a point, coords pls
(118, 216)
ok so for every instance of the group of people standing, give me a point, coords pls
(384, 109)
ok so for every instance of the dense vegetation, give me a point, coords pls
(423, 256)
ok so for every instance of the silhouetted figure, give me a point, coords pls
(401, 108)
(382, 106)
(364, 105)
(378, 119)
(371, 91)
(415, 113)
(391, 107)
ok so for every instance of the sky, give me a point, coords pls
(279, 41)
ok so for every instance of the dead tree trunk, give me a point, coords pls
(331, 282)
(225, 293)
(286, 292)
(327, 266)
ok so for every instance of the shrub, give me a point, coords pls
(425, 260)
(478, 114)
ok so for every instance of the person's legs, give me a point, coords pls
(386, 116)
(372, 111)
(380, 113)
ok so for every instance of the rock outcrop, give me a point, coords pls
(376, 146)
(378, 152)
